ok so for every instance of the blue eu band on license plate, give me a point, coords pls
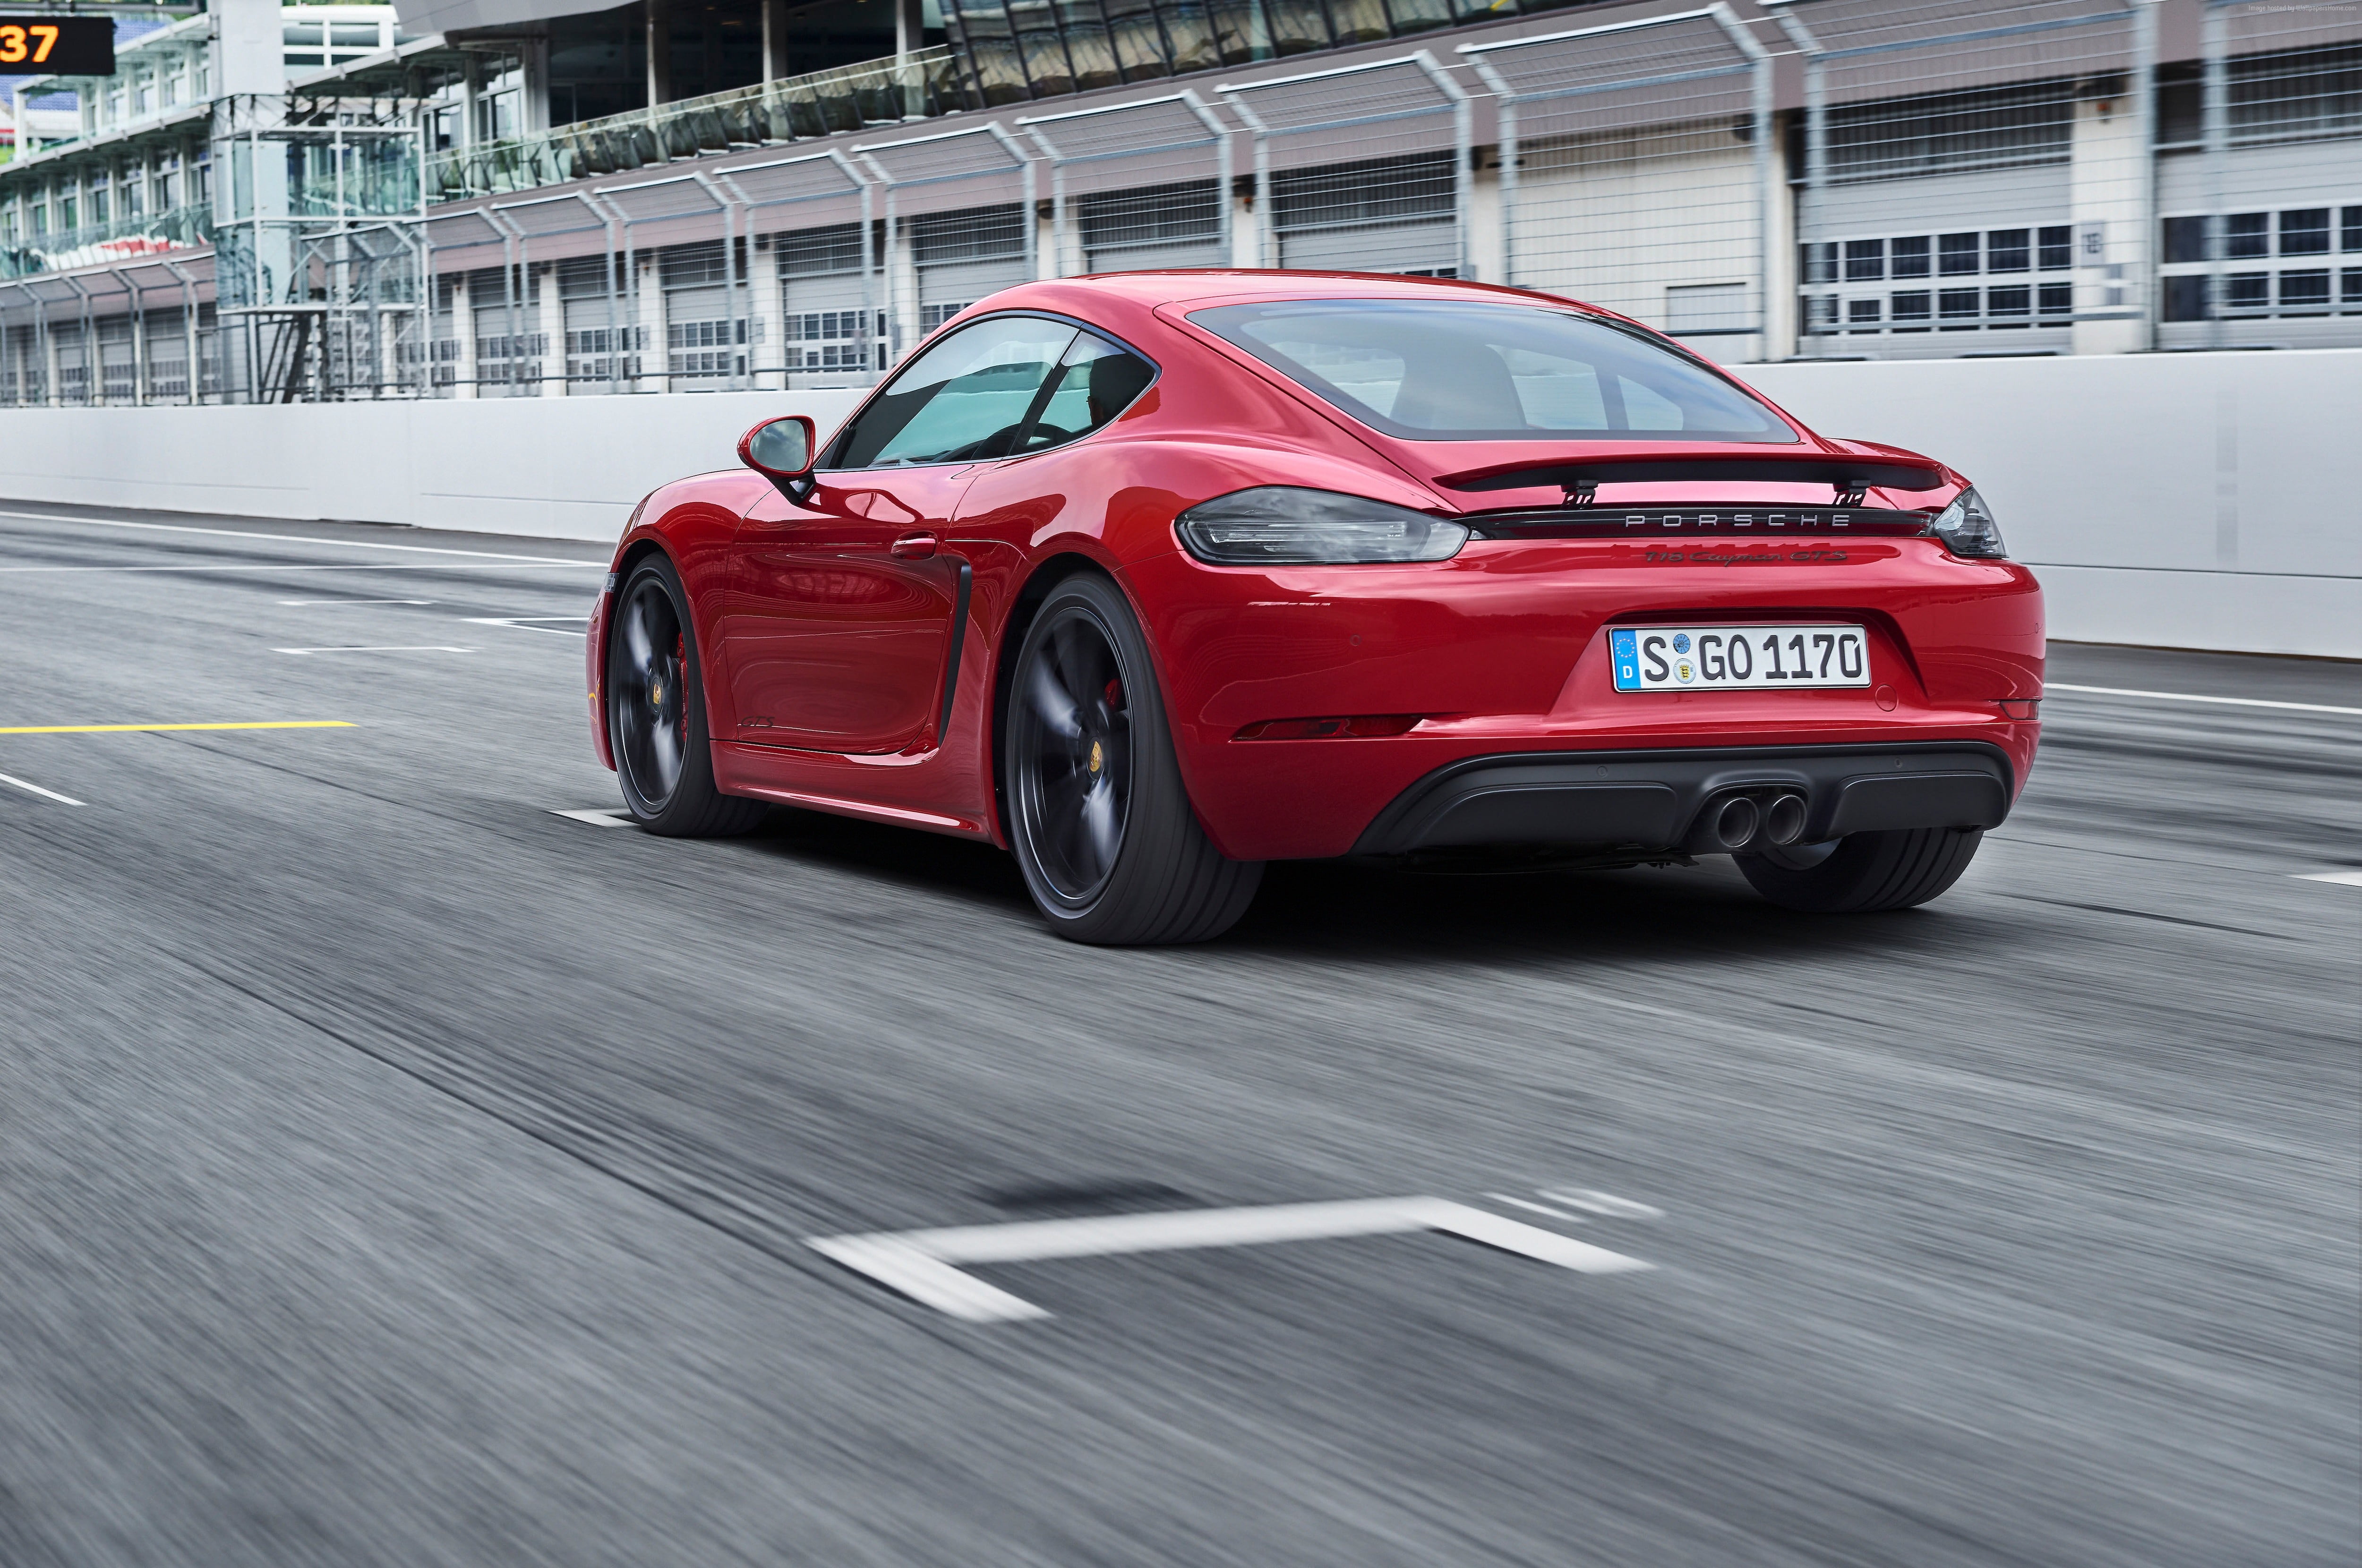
(1737, 659)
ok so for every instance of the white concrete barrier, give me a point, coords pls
(2201, 500)
(552, 468)
(2193, 501)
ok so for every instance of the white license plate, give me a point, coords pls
(1725, 658)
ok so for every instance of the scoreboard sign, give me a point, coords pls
(57, 46)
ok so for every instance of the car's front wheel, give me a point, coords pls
(1098, 814)
(1863, 872)
(655, 713)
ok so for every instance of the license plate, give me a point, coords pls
(1730, 659)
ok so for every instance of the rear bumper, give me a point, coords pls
(1654, 799)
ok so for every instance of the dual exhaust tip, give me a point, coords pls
(1739, 822)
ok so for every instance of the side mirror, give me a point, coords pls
(782, 451)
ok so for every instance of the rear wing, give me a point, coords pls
(1849, 477)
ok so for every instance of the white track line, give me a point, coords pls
(1598, 1202)
(428, 647)
(611, 818)
(2191, 697)
(2344, 878)
(921, 1264)
(293, 602)
(35, 788)
(525, 624)
(325, 566)
(1538, 1208)
(285, 538)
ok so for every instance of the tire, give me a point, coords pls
(1098, 815)
(655, 713)
(1864, 872)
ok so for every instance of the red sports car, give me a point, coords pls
(1152, 578)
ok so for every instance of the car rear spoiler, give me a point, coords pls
(1849, 475)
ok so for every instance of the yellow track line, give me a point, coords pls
(117, 729)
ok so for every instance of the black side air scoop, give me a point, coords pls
(1849, 475)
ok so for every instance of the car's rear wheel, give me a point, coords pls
(1863, 872)
(1098, 817)
(655, 713)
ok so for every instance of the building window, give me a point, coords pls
(2349, 228)
(1864, 258)
(2006, 251)
(2305, 232)
(1819, 262)
(2018, 301)
(2307, 289)
(1957, 254)
(1959, 303)
(2057, 299)
(2247, 235)
(1912, 308)
(2248, 290)
(1910, 256)
(2185, 240)
(1862, 313)
(2056, 248)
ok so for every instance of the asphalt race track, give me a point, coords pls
(392, 1171)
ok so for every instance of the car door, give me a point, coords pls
(844, 606)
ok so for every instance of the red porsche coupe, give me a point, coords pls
(1154, 577)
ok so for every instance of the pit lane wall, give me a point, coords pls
(2196, 501)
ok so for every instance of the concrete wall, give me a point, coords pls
(2207, 500)
(553, 468)
(2196, 501)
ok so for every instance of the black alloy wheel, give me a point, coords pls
(655, 713)
(1099, 818)
(1074, 781)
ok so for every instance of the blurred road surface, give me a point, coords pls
(394, 1172)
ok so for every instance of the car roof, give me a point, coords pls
(1185, 286)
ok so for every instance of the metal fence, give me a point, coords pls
(1636, 169)
(1946, 177)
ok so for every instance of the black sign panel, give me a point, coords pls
(57, 46)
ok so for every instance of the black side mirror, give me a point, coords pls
(782, 451)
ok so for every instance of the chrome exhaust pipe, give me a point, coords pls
(1735, 821)
(1783, 820)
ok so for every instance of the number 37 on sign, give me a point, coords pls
(62, 46)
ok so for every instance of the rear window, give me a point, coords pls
(1459, 370)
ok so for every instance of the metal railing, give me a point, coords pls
(915, 86)
(109, 244)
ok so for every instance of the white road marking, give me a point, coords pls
(298, 602)
(2192, 697)
(327, 566)
(2345, 878)
(1538, 1208)
(609, 818)
(427, 647)
(283, 538)
(921, 1264)
(35, 788)
(525, 624)
(1601, 1203)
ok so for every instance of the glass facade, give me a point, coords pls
(1016, 50)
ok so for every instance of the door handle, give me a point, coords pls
(914, 546)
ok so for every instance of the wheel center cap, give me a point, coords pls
(1098, 756)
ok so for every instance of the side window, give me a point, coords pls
(961, 400)
(1095, 381)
